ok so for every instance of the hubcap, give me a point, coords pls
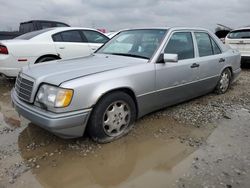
(116, 118)
(224, 82)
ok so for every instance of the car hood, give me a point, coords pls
(60, 71)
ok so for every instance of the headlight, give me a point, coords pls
(52, 96)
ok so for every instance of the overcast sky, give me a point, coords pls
(115, 15)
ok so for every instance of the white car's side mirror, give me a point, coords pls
(170, 58)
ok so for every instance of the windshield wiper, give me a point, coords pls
(130, 55)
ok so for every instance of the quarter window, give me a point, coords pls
(216, 49)
(181, 43)
(95, 37)
(57, 37)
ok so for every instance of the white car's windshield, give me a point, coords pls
(141, 43)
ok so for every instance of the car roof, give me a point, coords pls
(51, 21)
(168, 28)
(56, 29)
(241, 28)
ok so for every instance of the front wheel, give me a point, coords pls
(112, 117)
(224, 82)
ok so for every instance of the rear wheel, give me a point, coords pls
(46, 58)
(224, 82)
(112, 117)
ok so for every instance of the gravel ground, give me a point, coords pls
(225, 159)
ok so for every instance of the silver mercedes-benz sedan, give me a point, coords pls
(136, 72)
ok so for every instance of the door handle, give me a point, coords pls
(195, 65)
(62, 48)
(94, 49)
(222, 60)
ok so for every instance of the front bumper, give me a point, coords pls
(64, 125)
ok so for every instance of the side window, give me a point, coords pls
(204, 44)
(95, 37)
(71, 36)
(181, 43)
(216, 49)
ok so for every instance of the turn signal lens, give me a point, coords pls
(63, 98)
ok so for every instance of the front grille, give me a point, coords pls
(24, 88)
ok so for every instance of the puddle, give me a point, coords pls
(150, 153)
(8, 116)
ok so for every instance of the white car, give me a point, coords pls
(240, 39)
(47, 45)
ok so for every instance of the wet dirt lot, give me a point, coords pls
(201, 143)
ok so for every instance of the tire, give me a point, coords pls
(46, 58)
(224, 82)
(112, 117)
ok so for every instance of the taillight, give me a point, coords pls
(3, 50)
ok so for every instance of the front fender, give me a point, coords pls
(88, 90)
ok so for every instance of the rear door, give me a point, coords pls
(71, 44)
(211, 60)
(94, 39)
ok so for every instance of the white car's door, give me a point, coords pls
(95, 39)
(71, 44)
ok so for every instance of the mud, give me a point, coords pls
(194, 144)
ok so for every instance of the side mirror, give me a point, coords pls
(170, 58)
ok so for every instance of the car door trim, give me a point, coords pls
(180, 85)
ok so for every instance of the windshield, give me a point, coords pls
(140, 43)
(32, 34)
(240, 34)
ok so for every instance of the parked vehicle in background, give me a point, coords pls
(32, 25)
(47, 45)
(222, 31)
(240, 39)
(138, 71)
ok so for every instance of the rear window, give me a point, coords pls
(32, 34)
(240, 34)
